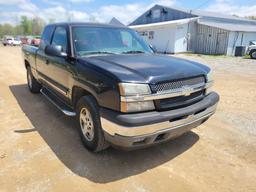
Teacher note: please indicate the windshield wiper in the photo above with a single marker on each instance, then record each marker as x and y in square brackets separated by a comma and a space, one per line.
[133, 51]
[97, 52]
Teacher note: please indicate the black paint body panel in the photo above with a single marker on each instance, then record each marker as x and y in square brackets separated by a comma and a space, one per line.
[100, 74]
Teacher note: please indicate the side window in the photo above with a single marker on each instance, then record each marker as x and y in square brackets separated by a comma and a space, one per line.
[60, 38]
[46, 37]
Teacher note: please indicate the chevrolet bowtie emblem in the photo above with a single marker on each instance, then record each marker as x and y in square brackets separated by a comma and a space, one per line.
[186, 90]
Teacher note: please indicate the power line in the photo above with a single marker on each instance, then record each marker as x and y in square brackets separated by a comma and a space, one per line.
[201, 5]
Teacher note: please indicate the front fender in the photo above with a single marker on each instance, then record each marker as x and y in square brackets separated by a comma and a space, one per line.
[103, 88]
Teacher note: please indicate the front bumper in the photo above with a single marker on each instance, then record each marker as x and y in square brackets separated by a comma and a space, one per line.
[141, 129]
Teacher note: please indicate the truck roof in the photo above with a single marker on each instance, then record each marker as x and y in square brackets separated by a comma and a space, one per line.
[87, 24]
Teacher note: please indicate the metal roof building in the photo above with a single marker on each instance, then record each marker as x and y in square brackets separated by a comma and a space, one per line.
[174, 30]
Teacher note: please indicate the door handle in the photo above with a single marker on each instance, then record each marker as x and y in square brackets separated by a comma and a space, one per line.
[47, 62]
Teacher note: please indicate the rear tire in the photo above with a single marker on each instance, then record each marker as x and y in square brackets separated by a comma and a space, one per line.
[253, 54]
[33, 84]
[88, 120]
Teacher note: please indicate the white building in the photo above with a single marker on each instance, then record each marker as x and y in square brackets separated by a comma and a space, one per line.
[172, 30]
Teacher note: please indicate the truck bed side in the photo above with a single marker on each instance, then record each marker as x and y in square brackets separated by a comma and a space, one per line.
[29, 54]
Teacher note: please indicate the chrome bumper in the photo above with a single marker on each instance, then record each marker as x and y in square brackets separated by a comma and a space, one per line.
[113, 129]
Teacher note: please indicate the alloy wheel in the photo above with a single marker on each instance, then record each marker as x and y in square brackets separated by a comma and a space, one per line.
[86, 124]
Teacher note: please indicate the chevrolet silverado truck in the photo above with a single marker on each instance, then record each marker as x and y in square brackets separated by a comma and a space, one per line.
[120, 91]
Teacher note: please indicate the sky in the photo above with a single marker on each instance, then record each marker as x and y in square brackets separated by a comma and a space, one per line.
[103, 10]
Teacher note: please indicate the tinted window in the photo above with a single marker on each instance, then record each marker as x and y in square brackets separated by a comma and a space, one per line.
[46, 36]
[60, 38]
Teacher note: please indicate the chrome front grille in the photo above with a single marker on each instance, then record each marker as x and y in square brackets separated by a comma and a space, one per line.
[179, 84]
[189, 91]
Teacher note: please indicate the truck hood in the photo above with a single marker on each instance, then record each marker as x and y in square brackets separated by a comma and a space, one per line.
[146, 68]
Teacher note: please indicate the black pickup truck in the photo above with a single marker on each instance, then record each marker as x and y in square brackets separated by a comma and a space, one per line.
[121, 92]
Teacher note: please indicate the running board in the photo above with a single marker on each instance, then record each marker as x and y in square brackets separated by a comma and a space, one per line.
[57, 102]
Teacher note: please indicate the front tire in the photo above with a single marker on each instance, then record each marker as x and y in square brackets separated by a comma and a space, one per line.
[253, 54]
[88, 120]
[33, 84]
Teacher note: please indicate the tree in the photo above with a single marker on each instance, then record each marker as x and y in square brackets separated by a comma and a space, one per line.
[1, 28]
[7, 29]
[37, 25]
[26, 25]
[251, 17]
[18, 30]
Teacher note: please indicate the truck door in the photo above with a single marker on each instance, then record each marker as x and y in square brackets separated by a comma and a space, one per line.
[57, 66]
[41, 57]
[53, 70]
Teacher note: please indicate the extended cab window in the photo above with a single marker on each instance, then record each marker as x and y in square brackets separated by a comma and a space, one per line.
[60, 38]
[46, 37]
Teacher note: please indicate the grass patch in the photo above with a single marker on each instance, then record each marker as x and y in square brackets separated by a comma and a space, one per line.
[204, 55]
[247, 57]
[214, 56]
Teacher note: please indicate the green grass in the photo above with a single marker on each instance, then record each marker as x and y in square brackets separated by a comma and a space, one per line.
[204, 55]
[247, 57]
[214, 56]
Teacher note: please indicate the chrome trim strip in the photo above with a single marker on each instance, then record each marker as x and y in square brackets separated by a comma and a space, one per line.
[168, 94]
[115, 129]
[54, 86]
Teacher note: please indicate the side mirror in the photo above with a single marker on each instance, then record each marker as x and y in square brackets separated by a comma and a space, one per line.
[55, 50]
[152, 48]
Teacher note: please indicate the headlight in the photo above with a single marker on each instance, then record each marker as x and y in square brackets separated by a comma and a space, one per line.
[128, 89]
[209, 79]
[131, 89]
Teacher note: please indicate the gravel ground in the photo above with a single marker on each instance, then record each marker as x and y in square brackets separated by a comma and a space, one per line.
[40, 149]
[236, 80]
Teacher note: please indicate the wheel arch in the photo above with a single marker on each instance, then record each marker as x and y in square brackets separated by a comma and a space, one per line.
[253, 50]
[26, 63]
[78, 92]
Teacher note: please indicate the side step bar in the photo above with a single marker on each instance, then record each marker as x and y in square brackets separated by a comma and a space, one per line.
[57, 102]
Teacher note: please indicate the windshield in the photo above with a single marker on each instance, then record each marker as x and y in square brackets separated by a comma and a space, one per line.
[99, 40]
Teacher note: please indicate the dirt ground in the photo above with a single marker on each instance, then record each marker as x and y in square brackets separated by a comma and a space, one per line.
[40, 149]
